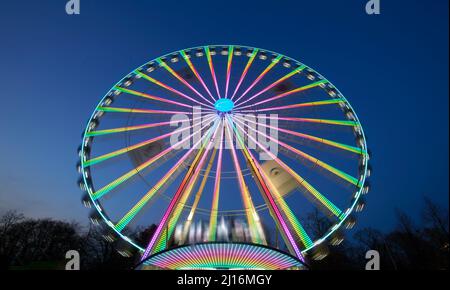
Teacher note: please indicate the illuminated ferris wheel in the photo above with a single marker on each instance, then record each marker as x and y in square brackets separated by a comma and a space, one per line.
[223, 153]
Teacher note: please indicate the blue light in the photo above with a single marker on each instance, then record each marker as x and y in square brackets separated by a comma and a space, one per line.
[224, 105]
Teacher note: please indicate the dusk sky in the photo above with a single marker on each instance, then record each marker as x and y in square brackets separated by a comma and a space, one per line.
[392, 67]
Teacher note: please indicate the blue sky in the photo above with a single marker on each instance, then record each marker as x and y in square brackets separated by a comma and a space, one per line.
[392, 67]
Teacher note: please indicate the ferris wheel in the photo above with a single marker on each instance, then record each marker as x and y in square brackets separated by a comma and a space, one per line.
[224, 154]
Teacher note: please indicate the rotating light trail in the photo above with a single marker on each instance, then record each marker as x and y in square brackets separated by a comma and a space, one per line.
[187, 191]
[300, 105]
[216, 192]
[198, 195]
[182, 80]
[256, 169]
[174, 201]
[211, 68]
[298, 228]
[311, 120]
[245, 71]
[194, 70]
[253, 219]
[312, 159]
[140, 111]
[230, 60]
[136, 127]
[264, 72]
[310, 137]
[149, 195]
[107, 188]
[295, 71]
[288, 93]
[138, 145]
[169, 88]
[150, 97]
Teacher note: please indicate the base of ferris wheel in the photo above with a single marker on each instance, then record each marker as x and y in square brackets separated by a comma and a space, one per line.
[222, 256]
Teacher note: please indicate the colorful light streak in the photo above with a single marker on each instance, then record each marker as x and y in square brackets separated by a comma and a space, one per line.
[321, 121]
[146, 198]
[313, 138]
[211, 68]
[256, 169]
[288, 93]
[216, 192]
[176, 75]
[230, 60]
[139, 145]
[107, 188]
[194, 70]
[150, 97]
[300, 105]
[295, 71]
[175, 200]
[264, 72]
[223, 256]
[300, 180]
[149, 78]
[253, 220]
[245, 71]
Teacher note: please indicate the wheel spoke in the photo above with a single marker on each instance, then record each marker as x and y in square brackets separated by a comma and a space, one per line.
[313, 138]
[152, 245]
[107, 188]
[301, 89]
[194, 70]
[148, 196]
[139, 145]
[293, 106]
[230, 60]
[264, 72]
[183, 81]
[211, 68]
[290, 242]
[295, 71]
[245, 71]
[300, 180]
[312, 159]
[253, 220]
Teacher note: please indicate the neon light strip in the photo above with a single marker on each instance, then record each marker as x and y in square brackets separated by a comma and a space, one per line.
[194, 70]
[173, 202]
[322, 121]
[309, 104]
[252, 215]
[160, 245]
[314, 160]
[197, 196]
[223, 255]
[215, 200]
[176, 75]
[139, 111]
[288, 93]
[169, 88]
[132, 128]
[313, 138]
[147, 96]
[146, 198]
[211, 68]
[298, 228]
[133, 172]
[274, 207]
[295, 71]
[230, 59]
[245, 71]
[265, 71]
[323, 200]
[130, 148]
